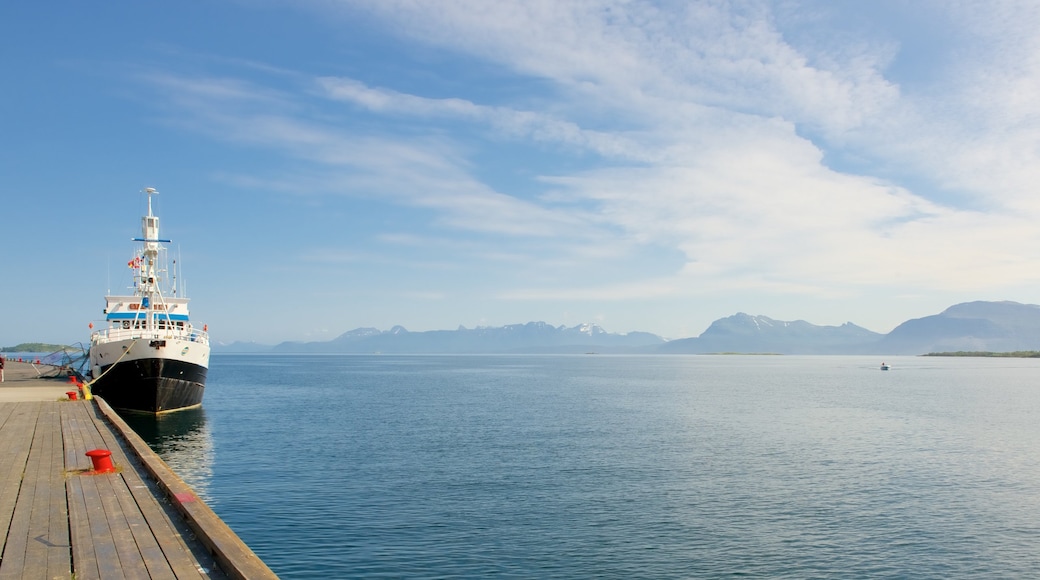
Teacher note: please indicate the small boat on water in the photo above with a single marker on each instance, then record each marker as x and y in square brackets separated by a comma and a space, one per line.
[884, 366]
[150, 358]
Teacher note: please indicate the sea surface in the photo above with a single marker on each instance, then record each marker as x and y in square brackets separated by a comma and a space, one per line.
[601, 466]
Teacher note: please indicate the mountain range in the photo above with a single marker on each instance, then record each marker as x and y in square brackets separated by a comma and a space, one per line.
[971, 326]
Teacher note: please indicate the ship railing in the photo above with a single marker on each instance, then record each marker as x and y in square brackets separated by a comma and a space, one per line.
[117, 333]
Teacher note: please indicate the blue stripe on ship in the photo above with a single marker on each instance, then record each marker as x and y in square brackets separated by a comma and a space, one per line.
[131, 316]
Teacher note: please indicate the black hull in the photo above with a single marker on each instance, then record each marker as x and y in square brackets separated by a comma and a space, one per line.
[153, 385]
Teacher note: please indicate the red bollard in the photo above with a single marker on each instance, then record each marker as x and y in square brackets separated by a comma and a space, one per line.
[102, 460]
[71, 394]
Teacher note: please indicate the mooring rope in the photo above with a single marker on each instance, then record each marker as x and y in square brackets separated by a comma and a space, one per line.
[88, 384]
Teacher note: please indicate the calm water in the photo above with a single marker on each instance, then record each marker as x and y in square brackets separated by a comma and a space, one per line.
[620, 466]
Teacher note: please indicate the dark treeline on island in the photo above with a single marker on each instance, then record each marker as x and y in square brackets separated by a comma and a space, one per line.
[972, 327]
[34, 347]
[986, 354]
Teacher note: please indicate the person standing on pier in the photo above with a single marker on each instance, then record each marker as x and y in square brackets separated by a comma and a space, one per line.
[1, 368]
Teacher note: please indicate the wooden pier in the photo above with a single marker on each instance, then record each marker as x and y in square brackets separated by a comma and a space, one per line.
[64, 521]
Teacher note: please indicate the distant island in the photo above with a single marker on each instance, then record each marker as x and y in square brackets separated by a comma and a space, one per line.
[34, 347]
[1015, 354]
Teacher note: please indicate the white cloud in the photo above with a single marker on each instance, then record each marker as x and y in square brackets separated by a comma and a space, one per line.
[425, 172]
[970, 127]
[712, 134]
[510, 122]
[624, 55]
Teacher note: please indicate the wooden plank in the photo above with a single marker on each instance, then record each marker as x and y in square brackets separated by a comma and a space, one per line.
[131, 564]
[17, 535]
[73, 423]
[5, 413]
[59, 562]
[55, 531]
[163, 522]
[36, 545]
[142, 532]
[153, 558]
[170, 533]
[99, 532]
[150, 561]
[120, 538]
[16, 435]
[14, 560]
[94, 551]
[104, 531]
[84, 558]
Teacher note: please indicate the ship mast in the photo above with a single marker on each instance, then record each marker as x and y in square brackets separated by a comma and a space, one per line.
[149, 284]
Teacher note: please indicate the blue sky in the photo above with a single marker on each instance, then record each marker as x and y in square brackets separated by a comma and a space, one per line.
[327, 165]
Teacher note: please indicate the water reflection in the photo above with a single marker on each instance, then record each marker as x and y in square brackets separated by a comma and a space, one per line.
[183, 441]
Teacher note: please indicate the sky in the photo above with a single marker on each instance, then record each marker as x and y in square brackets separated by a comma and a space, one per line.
[649, 166]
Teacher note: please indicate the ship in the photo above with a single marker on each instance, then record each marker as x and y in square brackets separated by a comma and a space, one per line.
[150, 357]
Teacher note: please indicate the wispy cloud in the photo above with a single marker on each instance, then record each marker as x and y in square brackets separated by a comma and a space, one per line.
[425, 172]
[702, 128]
[723, 100]
[509, 122]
